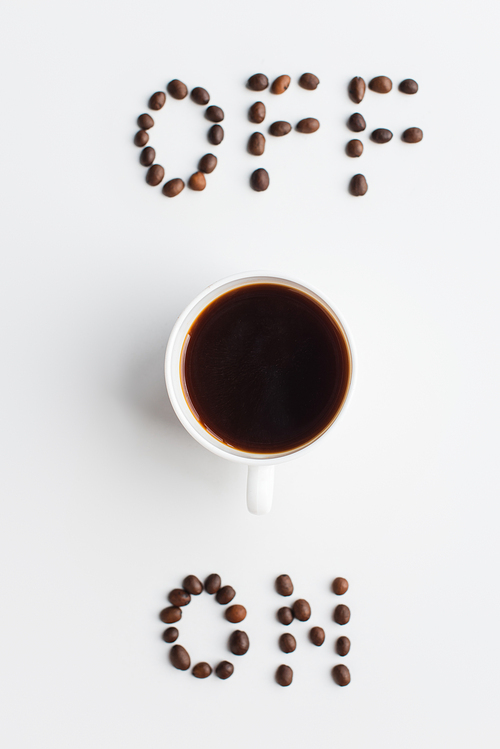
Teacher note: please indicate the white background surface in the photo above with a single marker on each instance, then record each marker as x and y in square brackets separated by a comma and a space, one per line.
[107, 503]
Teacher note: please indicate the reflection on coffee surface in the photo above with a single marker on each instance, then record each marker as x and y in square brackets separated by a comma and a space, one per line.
[266, 369]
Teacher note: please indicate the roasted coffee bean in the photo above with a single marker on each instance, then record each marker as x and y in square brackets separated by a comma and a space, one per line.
[179, 597]
[341, 675]
[200, 96]
[284, 585]
[171, 634]
[284, 676]
[280, 128]
[141, 138]
[145, 121]
[287, 643]
[179, 658]
[177, 89]
[212, 584]
[381, 135]
[258, 82]
[356, 122]
[259, 181]
[308, 125]
[301, 610]
[354, 149]
[215, 135]
[280, 85]
[358, 185]
[381, 84]
[340, 586]
[285, 615]
[147, 156]
[257, 112]
[155, 175]
[412, 135]
[309, 81]
[173, 187]
[317, 636]
[343, 645]
[356, 89]
[207, 163]
[342, 614]
[256, 144]
[197, 181]
[157, 100]
[214, 114]
[171, 614]
[201, 670]
[239, 642]
[236, 613]
[225, 594]
[408, 86]
[224, 670]
[192, 585]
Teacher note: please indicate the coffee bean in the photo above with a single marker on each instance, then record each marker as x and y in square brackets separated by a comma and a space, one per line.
[171, 614]
[155, 175]
[356, 89]
[207, 163]
[236, 613]
[258, 82]
[192, 585]
[147, 156]
[257, 112]
[214, 114]
[197, 181]
[177, 89]
[141, 138]
[280, 85]
[381, 135]
[173, 187]
[308, 125]
[301, 610]
[215, 135]
[179, 658]
[343, 645]
[212, 584]
[179, 597]
[285, 615]
[284, 585]
[341, 675]
[280, 128]
[381, 84]
[171, 634]
[412, 135]
[200, 96]
[309, 81]
[317, 636]
[287, 643]
[354, 149]
[341, 614]
[356, 122]
[256, 144]
[284, 676]
[225, 594]
[224, 670]
[259, 181]
[408, 86]
[201, 670]
[358, 185]
[239, 642]
[340, 586]
[157, 100]
[145, 121]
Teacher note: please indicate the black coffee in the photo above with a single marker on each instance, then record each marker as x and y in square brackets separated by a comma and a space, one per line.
[266, 368]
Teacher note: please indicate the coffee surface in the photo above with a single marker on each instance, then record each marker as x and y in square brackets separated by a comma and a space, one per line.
[265, 369]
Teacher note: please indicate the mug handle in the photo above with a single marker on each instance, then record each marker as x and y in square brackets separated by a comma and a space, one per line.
[260, 484]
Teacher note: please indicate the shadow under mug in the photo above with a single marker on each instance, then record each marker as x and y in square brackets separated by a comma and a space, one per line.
[260, 481]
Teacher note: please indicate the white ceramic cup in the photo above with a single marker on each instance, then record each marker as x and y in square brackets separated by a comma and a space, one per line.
[260, 466]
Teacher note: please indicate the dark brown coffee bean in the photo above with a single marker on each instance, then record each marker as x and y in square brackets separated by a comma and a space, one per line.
[224, 670]
[173, 187]
[284, 676]
[215, 135]
[354, 149]
[214, 114]
[155, 175]
[408, 86]
[280, 85]
[257, 112]
[285, 615]
[287, 643]
[308, 125]
[340, 586]
[280, 128]
[212, 584]
[256, 144]
[147, 156]
[317, 636]
[202, 670]
[301, 610]
[343, 645]
[141, 138]
[171, 614]
[192, 585]
[207, 163]
[171, 634]
[341, 675]
[358, 185]
[381, 135]
[177, 89]
[179, 658]
[179, 597]
[258, 82]
[284, 585]
[356, 89]
[342, 614]
[145, 121]
[200, 96]
[356, 122]
[197, 182]
[309, 81]
[225, 594]
[236, 613]
[259, 181]
[381, 84]
[157, 100]
[239, 642]
[412, 135]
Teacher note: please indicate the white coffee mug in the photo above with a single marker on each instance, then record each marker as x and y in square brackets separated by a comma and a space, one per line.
[260, 466]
